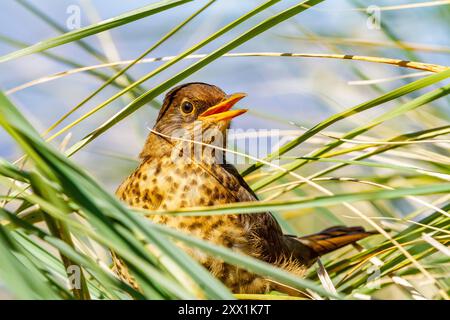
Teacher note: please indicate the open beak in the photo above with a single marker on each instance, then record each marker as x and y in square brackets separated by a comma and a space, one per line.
[221, 111]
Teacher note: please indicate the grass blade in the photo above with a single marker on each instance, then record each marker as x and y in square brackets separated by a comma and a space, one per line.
[95, 28]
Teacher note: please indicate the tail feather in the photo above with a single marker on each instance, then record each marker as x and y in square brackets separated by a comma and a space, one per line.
[334, 238]
[330, 239]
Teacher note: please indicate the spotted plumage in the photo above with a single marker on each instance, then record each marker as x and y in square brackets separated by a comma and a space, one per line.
[177, 174]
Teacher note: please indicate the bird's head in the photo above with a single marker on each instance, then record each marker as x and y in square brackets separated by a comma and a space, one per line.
[191, 102]
[197, 106]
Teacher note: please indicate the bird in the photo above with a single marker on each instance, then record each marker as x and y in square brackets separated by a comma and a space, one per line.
[176, 173]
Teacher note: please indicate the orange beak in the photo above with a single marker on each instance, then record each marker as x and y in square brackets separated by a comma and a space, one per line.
[221, 111]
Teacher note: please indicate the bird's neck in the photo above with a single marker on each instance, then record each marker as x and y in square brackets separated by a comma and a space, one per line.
[156, 146]
[207, 152]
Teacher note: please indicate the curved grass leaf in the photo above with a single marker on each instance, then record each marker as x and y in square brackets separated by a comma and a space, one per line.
[95, 28]
[311, 202]
[124, 70]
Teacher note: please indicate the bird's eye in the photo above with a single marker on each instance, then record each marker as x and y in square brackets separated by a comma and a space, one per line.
[187, 107]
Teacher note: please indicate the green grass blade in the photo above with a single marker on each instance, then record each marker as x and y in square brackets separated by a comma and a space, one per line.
[121, 72]
[95, 28]
[310, 202]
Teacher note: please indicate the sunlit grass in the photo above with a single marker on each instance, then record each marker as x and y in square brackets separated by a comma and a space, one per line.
[54, 217]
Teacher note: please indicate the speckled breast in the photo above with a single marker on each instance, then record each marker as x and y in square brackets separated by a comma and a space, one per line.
[168, 185]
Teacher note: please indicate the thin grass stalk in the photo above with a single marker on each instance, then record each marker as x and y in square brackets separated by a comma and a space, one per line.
[400, 63]
[129, 66]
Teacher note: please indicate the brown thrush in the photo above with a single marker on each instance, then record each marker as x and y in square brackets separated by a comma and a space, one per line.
[172, 176]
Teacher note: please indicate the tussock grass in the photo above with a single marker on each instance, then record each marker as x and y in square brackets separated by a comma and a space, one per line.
[56, 221]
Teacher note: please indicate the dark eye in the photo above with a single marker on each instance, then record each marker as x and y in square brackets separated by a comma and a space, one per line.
[187, 107]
